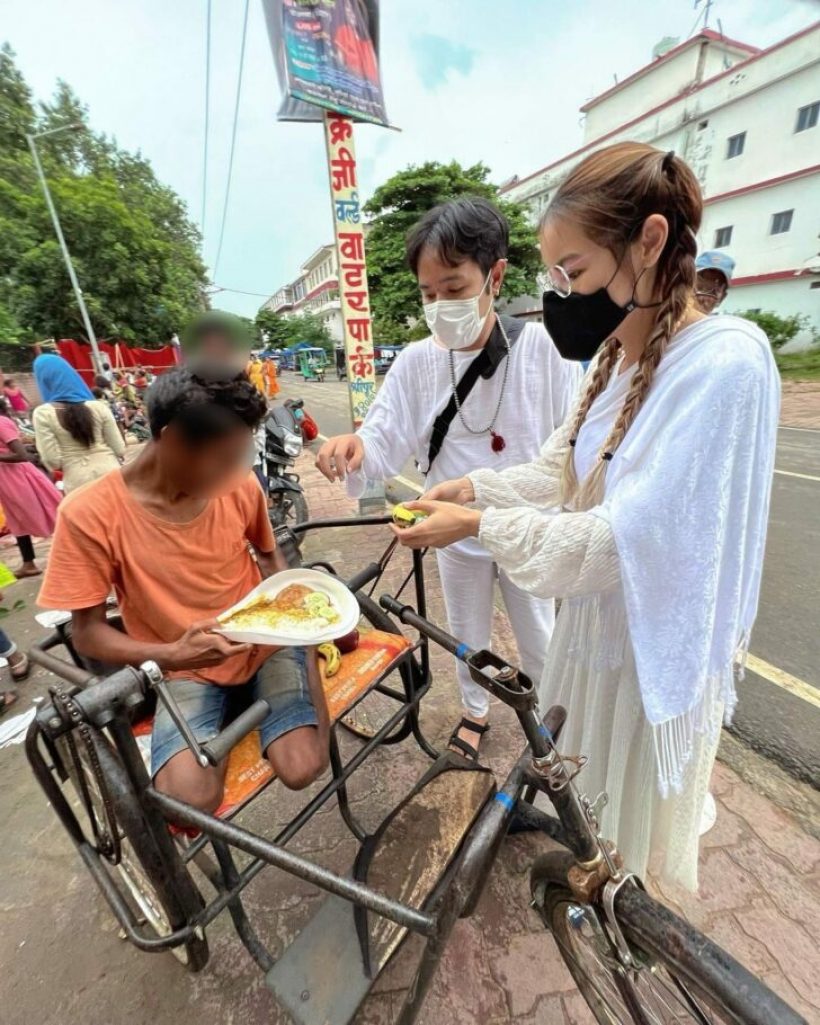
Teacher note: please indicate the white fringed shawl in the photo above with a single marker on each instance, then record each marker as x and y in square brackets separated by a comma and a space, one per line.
[687, 498]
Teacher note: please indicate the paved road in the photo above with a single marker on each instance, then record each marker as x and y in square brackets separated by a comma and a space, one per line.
[779, 708]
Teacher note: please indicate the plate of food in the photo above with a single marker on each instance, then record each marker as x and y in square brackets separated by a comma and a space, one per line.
[292, 608]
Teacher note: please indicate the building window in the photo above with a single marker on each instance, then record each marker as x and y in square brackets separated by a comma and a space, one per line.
[807, 117]
[735, 145]
[723, 237]
[782, 222]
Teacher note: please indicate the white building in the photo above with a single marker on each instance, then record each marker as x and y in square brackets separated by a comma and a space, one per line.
[748, 123]
[316, 290]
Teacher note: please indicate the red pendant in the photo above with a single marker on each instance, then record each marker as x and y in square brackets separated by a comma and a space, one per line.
[497, 444]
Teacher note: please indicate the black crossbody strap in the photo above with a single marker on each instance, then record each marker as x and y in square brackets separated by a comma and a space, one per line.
[480, 365]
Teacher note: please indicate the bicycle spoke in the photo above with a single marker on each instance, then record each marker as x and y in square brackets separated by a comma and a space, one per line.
[650, 994]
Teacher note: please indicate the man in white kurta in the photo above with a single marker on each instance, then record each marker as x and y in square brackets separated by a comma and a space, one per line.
[531, 389]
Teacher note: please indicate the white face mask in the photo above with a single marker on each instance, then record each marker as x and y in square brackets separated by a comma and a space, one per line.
[457, 323]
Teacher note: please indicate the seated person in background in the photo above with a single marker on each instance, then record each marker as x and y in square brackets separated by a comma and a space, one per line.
[181, 534]
[123, 389]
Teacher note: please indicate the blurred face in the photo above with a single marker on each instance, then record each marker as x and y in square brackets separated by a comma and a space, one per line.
[218, 349]
[710, 290]
[208, 469]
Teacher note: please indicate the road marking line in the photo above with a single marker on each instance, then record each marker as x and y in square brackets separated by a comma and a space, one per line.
[802, 476]
[409, 484]
[783, 679]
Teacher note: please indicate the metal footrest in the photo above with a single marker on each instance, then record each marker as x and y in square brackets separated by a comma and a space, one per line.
[320, 978]
[324, 975]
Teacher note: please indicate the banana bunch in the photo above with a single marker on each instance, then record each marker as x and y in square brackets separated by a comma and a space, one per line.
[333, 658]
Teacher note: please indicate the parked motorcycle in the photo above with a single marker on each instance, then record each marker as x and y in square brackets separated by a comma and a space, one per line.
[283, 445]
[303, 422]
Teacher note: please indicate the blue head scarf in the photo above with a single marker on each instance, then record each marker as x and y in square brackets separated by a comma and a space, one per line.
[58, 381]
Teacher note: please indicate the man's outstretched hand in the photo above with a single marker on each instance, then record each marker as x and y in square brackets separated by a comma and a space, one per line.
[340, 455]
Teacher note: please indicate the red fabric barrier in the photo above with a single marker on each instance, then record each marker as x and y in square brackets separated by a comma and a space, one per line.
[119, 355]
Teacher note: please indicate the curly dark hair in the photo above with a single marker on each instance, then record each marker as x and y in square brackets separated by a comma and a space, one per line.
[203, 408]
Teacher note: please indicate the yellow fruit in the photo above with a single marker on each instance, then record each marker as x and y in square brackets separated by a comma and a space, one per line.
[333, 658]
[404, 517]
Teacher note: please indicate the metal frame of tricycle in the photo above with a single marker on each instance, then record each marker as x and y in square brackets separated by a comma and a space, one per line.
[107, 706]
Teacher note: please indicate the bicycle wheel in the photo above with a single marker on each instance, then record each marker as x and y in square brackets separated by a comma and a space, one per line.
[368, 717]
[166, 904]
[704, 987]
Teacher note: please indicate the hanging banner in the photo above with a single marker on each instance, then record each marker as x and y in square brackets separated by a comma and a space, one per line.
[326, 54]
[353, 292]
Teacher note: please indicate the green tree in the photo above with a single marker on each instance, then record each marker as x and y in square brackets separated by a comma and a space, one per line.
[779, 330]
[272, 329]
[396, 206]
[135, 250]
[282, 332]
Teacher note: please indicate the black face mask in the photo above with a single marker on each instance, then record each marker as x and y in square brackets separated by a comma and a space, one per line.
[579, 323]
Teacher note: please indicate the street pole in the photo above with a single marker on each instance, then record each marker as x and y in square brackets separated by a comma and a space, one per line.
[75, 284]
[354, 296]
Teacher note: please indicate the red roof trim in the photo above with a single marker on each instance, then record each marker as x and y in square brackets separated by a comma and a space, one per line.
[326, 286]
[718, 37]
[791, 176]
[666, 103]
[705, 34]
[775, 275]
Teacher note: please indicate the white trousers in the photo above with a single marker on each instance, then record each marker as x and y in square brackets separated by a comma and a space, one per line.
[467, 582]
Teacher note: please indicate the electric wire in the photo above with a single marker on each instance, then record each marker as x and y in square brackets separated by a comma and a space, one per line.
[239, 291]
[207, 115]
[233, 138]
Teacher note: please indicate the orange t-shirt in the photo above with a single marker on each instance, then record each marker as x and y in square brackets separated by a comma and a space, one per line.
[166, 576]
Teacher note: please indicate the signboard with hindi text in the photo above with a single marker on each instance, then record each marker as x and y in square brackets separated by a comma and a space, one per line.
[353, 292]
[326, 54]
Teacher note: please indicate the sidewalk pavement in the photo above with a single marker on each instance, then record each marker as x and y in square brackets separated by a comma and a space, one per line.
[63, 962]
[800, 404]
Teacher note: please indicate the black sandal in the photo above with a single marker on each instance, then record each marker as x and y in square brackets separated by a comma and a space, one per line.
[469, 751]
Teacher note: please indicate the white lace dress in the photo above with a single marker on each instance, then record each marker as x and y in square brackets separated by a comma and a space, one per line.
[590, 667]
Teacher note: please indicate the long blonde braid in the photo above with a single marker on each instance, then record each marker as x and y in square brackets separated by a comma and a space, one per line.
[600, 379]
[608, 194]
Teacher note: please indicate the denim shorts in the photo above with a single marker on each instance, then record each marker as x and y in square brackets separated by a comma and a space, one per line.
[282, 679]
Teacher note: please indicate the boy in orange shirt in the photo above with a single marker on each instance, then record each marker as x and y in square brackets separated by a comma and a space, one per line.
[171, 532]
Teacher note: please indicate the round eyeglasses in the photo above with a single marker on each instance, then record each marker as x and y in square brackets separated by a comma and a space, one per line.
[555, 279]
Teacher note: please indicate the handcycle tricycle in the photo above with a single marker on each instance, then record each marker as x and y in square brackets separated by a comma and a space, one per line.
[422, 869]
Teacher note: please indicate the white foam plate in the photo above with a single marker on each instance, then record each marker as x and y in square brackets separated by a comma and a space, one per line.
[343, 601]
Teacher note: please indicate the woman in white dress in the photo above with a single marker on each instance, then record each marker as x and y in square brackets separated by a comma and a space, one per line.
[663, 476]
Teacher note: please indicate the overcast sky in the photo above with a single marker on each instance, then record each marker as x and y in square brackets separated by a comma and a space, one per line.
[493, 80]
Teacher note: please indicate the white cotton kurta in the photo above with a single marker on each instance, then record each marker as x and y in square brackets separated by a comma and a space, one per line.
[539, 390]
[591, 666]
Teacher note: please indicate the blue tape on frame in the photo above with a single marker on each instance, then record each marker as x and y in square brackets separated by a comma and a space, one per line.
[462, 651]
[505, 799]
[542, 729]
